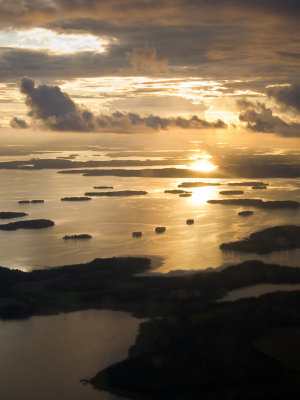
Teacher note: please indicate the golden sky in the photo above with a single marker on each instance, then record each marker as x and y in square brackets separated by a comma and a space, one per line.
[145, 66]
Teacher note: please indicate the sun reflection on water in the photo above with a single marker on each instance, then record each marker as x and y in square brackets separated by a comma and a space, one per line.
[201, 195]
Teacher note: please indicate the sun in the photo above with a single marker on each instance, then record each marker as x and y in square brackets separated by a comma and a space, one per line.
[203, 166]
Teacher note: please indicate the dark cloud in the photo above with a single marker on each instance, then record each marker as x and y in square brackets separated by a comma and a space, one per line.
[57, 111]
[18, 123]
[168, 12]
[259, 118]
[288, 96]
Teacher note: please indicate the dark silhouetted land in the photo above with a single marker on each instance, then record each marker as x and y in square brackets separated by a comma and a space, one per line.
[11, 214]
[231, 192]
[31, 201]
[29, 224]
[103, 187]
[196, 184]
[188, 194]
[253, 183]
[137, 234]
[81, 236]
[245, 213]
[285, 237]
[82, 198]
[176, 191]
[257, 203]
[195, 347]
[160, 229]
[120, 193]
[189, 221]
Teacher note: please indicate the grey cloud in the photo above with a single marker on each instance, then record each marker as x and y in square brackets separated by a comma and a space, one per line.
[27, 12]
[143, 59]
[288, 96]
[18, 123]
[259, 118]
[57, 111]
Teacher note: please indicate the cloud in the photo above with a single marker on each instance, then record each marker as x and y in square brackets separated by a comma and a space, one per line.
[18, 123]
[143, 59]
[288, 96]
[55, 110]
[259, 118]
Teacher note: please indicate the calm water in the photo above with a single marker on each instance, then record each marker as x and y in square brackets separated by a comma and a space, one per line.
[45, 357]
[111, 221]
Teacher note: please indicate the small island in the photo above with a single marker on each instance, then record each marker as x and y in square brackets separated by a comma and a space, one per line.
[11, 214]
[250, 183]
[189, 221]
[285, 237]
[120, 193]
[196, 184]
[82, 198]
[259, 187]
[81, 236]
[245, 213]
[29, 224]
[231, 192]
[188, 194]
[137, 234]
[160, 229]
[257, 203]
[103, 187]
[176, 191]
[31, 201]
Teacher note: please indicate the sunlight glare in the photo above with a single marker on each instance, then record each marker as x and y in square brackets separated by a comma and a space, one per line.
[203, 166]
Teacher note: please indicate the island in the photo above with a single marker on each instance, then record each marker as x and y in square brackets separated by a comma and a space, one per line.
[248, 183]
[82, 198]
[137, 234]
[188, 194]
[31, 201]
[257, 203]
[28, 224]
[191, 346]
[259, 187]
[11, 214]
[189, 221]
[103, 187]
[160, 229]
[284, 237]
[120, 193]
[245, 213]
[176, 191]
[81, 236]
[231, 192]
[196, 184]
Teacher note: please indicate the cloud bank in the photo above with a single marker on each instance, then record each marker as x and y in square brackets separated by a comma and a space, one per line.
[18, 123]
[55, 110]
[288, 96]
[259, 118]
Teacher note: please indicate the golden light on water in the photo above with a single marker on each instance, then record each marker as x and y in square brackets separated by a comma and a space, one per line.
[201, 195]
[203, 166]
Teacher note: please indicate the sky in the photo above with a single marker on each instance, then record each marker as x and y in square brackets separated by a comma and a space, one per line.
[132, 66]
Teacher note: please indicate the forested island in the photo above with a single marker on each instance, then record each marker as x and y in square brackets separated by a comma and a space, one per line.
[11, 214]
[27, 224]
[285, 237]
